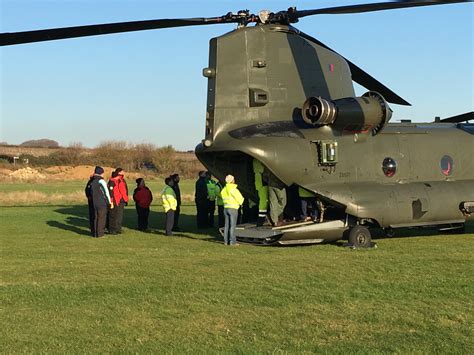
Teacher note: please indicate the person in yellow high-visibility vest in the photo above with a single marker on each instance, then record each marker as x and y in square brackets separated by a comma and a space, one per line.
[170, 203]
[233, 199]
[262, 191]
[212, 192]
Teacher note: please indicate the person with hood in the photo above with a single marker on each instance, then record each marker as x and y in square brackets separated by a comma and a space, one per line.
[119, 192]
[142, 197]
[168, 198]
[177, 191]
[101, 201]
[233, 199]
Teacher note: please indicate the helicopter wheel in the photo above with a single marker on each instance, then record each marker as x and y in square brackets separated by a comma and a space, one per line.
[359, 237]
[389, 232]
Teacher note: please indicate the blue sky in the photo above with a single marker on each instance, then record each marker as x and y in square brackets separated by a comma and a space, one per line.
[148, 87]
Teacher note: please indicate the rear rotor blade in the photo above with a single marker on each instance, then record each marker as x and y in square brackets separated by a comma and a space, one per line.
[7, 39]
[353, 9]
[363, 78]
[468, 116]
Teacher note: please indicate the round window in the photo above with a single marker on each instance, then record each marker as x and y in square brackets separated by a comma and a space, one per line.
[389, 167]
[446, 165]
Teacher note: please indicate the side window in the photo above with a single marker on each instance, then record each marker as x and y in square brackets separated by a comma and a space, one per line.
[389, 167]
[446, 164]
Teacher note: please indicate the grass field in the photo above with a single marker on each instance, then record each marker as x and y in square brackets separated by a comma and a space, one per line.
[62, 291]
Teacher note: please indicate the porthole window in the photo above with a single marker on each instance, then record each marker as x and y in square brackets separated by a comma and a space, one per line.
[446, 165]
[389, 167]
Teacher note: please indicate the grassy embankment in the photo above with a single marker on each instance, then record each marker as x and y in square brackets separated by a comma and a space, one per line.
[62, 291]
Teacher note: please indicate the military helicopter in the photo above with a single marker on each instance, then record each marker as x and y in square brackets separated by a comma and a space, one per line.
[285, 99]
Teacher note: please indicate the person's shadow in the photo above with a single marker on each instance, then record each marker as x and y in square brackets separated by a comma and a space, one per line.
[77, 221]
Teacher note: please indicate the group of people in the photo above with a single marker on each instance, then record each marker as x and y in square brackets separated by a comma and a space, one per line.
[107, 201]
[225, 195]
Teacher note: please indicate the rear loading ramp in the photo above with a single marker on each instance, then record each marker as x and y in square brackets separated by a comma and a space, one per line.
[294, 233]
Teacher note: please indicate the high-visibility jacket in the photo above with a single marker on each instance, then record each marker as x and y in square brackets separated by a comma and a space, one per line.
[212, 190]
[258, 170]
[219, 200]
[304, 193]
[169, 199]
[231, 196]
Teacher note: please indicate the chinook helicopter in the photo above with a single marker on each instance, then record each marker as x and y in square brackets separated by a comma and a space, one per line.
[285, 99]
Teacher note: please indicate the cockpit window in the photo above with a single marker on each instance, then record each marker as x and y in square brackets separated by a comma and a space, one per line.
[389, 167]
[446, 165]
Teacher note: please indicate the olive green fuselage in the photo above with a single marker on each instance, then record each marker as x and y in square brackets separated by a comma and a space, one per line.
[259, 78]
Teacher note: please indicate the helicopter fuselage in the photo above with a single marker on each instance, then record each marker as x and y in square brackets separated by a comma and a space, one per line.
[400, 175]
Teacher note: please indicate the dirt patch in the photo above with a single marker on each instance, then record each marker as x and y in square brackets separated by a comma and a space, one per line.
[27, 174]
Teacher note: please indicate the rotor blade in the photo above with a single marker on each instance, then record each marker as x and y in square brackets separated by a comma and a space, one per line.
[365, 79]
[7, 39]
[352, 9]
[458, 118]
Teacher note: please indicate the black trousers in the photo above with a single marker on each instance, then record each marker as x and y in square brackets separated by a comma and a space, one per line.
[100, 217]
[211, 208]
[176, 217]
[91, 217]
[116, 218]
[169, 222]
[143, 214]
[201, 213]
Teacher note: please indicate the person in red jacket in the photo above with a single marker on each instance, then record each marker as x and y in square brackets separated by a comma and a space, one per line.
[142, 197]
[119, 194]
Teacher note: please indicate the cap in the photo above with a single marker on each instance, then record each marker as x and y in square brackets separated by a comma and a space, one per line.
[138, 181]
[98, 170]
[229, 179]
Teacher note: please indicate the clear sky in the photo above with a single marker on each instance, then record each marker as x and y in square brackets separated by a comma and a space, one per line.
[148, 86]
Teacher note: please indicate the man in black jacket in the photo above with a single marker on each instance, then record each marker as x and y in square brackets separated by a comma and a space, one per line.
[200, 198]
[101, 201]
[90, 203]
[177, 191]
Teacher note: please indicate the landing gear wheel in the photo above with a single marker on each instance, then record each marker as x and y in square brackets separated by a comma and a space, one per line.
[359, 237]
[389, 232]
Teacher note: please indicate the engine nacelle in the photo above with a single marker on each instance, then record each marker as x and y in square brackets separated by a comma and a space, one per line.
[353, 114]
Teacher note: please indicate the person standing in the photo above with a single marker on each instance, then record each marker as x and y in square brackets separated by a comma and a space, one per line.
[177, 191]
[168, 198]
[308, 199]
[90, 203]
[262, 191]
[101, 201]
[233, 199]
[142, 197]
[277, 199]
[212, 192]
[200, 198]
[119, 191]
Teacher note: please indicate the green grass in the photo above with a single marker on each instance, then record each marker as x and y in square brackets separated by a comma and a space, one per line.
[62, 291]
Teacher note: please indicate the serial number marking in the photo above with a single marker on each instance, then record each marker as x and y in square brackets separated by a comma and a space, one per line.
[344, 174]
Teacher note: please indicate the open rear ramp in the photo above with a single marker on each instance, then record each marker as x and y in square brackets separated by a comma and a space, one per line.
[290, 234]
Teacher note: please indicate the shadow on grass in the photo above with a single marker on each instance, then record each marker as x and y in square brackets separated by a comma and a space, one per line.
[77, 221]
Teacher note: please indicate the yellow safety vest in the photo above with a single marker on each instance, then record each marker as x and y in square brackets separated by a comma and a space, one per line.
[212, 190]
[219, 200]
[258, 170]
[232, 197]
[169, 199]
[305, 193]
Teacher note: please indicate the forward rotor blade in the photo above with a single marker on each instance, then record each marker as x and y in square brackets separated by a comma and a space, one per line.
[468, 116]
[7, 39]
[353, 9]
[363, 78]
